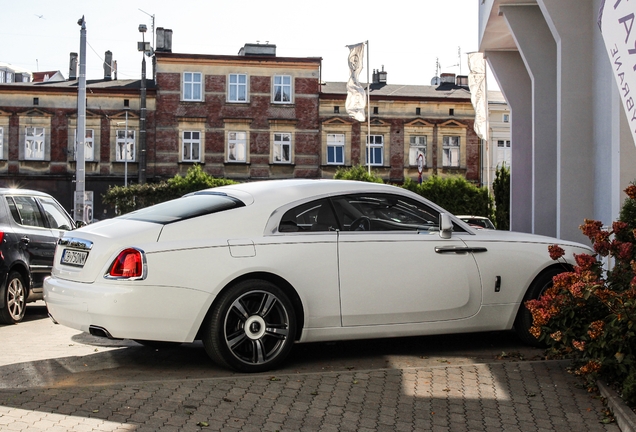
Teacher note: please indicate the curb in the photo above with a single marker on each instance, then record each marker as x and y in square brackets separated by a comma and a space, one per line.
[625, 417]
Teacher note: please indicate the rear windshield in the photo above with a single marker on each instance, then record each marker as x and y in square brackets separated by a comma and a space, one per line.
[189, 206]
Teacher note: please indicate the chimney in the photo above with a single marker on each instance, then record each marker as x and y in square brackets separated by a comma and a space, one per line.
[115, 70]
[164, 40]
[250, 49]
[462, 80]
[108, 60]
[447, 78]
[72, 68]
[379, 77]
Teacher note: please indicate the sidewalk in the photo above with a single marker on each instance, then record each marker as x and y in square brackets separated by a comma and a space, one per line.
[516, 396]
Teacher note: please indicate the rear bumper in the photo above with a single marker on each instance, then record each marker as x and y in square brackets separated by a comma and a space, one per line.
[127, 310]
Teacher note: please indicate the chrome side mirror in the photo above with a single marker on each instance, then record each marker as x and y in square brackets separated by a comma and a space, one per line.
[445, 226]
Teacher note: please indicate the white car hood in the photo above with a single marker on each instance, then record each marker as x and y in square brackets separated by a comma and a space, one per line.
[108, 239]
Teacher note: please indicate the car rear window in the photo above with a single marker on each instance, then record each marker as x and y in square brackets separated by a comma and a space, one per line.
[187, 207]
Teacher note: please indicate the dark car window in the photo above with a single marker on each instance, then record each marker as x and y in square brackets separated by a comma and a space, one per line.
[386, 212]
[26, 211]
[312, 216]
[56, 216]
[186, 207]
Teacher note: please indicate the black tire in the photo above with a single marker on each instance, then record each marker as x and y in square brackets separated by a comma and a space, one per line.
[15, 295]
[252, 327]
[523, 321]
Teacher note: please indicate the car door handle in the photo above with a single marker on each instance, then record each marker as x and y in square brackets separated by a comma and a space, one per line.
[25, 240]
[459, 249]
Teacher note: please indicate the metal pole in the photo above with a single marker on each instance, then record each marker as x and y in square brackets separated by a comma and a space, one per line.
[142, 121]
[126, 153]
[80, 165]
[368, 114]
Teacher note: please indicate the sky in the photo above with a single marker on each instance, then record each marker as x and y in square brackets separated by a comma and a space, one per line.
[405, 37]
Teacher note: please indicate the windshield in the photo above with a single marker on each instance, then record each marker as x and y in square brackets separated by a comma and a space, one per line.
[187, 207]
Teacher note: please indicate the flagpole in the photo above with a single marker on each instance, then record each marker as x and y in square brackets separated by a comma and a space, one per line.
[368, 114]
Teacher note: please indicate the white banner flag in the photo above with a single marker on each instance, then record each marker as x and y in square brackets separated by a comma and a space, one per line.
[356, 97]
[616, 20]
[478, 92]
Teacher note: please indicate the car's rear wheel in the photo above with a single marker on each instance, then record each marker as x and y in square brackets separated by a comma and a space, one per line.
[523, 321]
[14, 299]
[251, 328]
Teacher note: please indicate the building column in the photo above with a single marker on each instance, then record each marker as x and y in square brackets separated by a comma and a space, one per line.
[572, 23]
[537, 49]
[514, 81]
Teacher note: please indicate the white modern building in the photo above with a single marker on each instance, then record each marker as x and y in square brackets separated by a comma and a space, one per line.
[499, 149]
[573, 150]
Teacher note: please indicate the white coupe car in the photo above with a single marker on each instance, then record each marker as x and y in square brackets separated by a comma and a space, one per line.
[251, 269]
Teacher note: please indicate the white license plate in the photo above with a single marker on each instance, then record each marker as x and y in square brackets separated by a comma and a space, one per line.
[75, 258]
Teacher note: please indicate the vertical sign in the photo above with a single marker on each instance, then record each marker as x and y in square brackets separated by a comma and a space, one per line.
[616, 20]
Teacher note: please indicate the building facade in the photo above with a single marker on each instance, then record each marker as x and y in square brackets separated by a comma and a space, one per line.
[432, 123]
[38, 123]
[251, 116]
[246, 117]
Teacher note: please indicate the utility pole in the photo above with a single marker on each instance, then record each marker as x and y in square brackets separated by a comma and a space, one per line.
[80, 164]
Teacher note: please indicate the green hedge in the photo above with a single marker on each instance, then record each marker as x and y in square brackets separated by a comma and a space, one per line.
[136, 196]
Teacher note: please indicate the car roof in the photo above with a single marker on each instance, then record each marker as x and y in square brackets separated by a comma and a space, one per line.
[16, 191]
[280, 192]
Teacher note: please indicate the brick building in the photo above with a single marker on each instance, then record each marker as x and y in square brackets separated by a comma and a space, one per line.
[434, 121]
[250, 116]
[38, 122]
[246, 117]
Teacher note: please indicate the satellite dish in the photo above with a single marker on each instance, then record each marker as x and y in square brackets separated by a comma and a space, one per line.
[435, 80]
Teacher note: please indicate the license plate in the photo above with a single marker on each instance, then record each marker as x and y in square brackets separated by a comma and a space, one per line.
[74, 258]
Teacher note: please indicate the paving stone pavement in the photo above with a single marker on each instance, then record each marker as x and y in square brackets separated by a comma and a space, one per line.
[516, 396]
[57, 379]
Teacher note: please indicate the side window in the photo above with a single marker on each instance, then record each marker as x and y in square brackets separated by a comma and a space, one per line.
[192, 85]
[56, 216]
[282, 89]
[28, 211]
[237, 88]
[385, 212]
[313, 216]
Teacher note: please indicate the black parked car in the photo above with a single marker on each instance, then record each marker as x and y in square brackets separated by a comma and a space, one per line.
[31, 222]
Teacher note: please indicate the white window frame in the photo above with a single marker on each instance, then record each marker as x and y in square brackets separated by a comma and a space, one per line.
[34, 143]
[192, 86]
[504, 152]
[375, 143]
[9, 77]
[282, 142]
[191, 146]
[335, 142]
[282, 89]
[506, 118]
[3, 74]
[451, 151]
[417, 147]
[89, 145]
[1, 142]
[237, 146]
[234, 85]
[129, 142]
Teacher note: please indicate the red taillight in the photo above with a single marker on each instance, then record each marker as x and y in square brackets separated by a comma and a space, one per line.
[128, 264]
[1, 236]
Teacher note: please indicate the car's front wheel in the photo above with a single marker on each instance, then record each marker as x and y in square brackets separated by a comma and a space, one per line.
[251, 328]
[523, 321]
[14, 299]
